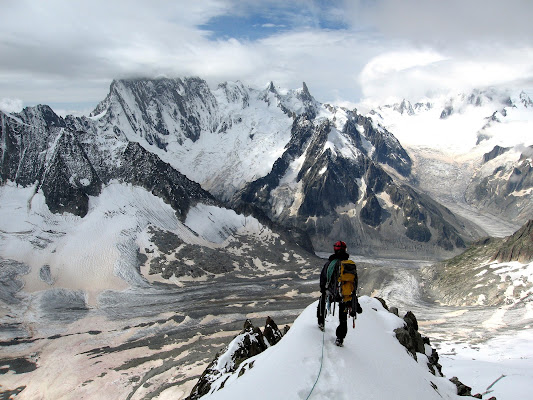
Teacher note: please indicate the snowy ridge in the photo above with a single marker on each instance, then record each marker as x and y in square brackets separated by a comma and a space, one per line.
[371, 365]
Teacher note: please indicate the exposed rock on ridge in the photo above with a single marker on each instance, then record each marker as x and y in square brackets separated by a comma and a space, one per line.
[233, 358]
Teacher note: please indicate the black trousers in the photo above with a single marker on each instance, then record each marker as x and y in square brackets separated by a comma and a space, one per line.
[342, 329]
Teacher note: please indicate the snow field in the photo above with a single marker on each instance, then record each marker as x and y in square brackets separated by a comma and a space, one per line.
[216, 224]
[481, 365]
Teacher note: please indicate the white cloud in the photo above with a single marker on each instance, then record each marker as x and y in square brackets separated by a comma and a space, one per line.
[446, 24]
[415, 74]
[61, 51]
[11, 105]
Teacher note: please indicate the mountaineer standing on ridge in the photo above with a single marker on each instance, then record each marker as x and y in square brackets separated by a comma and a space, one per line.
[338, 283]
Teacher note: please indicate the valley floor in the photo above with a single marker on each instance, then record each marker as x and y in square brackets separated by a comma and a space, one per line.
[154, 343]
[136, 343]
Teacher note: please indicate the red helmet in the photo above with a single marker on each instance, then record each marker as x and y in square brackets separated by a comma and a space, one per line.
[339, 246]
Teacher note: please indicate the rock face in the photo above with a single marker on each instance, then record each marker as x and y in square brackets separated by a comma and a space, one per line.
[414, 342]
[69, 165]
[518, 247]
[418, 345]
[495, 152]
[161, 109]
[232, 360]
[69, 178]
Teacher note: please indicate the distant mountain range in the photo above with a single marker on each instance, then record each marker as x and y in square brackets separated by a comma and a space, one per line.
[325, 171]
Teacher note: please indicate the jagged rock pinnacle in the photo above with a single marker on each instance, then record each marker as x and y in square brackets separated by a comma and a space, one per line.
[305, 89]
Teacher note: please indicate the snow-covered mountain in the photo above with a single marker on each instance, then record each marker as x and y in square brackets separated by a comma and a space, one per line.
[471, 152]
[310, 167]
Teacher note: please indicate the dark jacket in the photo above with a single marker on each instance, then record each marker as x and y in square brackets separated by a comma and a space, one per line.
[324, 273]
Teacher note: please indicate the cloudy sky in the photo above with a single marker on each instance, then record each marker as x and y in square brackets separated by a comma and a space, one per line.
[66, 52]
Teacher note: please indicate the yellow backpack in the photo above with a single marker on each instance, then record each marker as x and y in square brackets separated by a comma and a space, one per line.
[347, 280]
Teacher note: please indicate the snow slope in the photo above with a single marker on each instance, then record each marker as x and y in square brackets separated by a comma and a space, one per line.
[371, 365]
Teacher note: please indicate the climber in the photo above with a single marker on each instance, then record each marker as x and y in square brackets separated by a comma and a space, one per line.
[338, 283]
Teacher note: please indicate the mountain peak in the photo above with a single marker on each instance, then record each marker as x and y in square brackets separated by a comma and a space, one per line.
[305, 90]
[525, 99]
[404, 107]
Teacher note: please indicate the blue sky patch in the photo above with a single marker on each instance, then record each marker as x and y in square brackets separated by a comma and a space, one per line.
[263, 23]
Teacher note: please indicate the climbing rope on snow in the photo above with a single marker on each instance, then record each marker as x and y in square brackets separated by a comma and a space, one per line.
[321, 361]
[492, 384]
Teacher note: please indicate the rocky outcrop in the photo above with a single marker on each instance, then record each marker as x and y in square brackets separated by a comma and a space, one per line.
[414, 342]
[27, 139]
[495, 152]
[417, 345]
[69, 177]
[517, 247]
[232, 360]
[462, 389]
[271, 333]
[388, 149]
